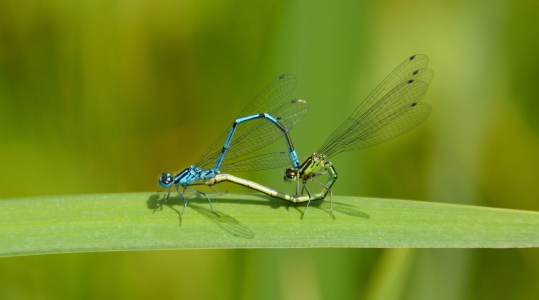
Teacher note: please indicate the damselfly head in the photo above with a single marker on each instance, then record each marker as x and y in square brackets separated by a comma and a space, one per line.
[290, 174]
[165, 180]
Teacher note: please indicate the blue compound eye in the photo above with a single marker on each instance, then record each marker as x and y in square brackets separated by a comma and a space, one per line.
[165, 180]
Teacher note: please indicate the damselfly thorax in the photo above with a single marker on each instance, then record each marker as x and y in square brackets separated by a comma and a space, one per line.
[311, 167]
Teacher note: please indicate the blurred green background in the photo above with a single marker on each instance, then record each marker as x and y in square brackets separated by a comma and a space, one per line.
[103, 96]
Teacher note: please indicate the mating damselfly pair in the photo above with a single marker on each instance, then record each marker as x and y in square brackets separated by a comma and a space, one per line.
[389, 111]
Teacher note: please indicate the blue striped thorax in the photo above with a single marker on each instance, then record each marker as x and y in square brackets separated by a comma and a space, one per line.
[186, 177]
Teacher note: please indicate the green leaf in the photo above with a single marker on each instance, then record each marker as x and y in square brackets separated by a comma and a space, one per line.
[118, 222]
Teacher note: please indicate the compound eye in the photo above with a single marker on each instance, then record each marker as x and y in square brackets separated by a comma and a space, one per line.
[290, 173]
[165, 179]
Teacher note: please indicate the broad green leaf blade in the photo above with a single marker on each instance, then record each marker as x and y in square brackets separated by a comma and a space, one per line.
[117, 222]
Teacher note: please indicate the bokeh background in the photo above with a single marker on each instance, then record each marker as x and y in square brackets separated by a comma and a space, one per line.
[102, 96]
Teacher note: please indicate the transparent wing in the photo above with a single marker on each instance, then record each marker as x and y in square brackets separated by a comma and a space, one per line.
[256, 134]
[266, 161]
[389, 111]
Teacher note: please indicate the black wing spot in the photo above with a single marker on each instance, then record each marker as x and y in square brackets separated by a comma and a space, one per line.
[412, 57]
[410, 81]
